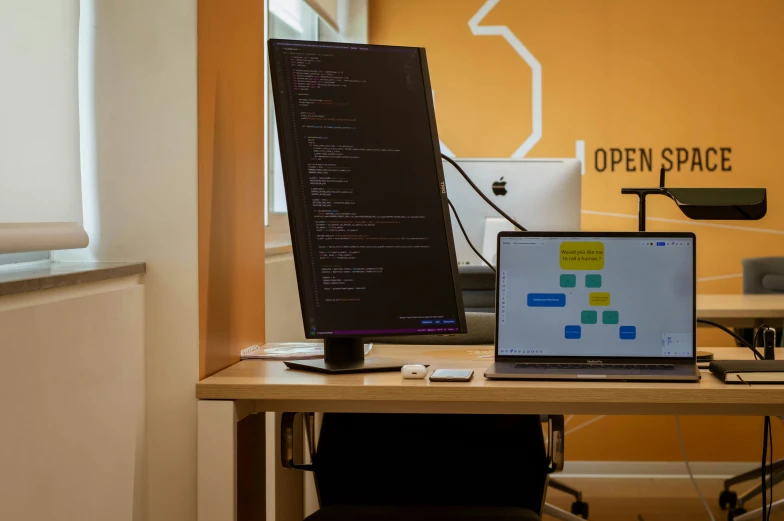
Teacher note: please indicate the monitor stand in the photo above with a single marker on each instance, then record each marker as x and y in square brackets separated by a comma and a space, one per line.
[346, 355]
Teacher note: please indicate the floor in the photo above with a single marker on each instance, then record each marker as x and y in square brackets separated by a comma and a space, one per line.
[644, 499]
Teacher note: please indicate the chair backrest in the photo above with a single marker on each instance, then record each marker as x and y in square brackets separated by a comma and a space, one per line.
[434, 459]
[481, 331]
[763, 275]
[478, 288]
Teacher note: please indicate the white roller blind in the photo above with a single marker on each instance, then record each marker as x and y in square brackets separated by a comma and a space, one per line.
[39, 113]
[288, 11]
[327, 11]
[342, 20]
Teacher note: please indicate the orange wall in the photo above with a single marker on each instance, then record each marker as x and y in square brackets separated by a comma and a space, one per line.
[231, 180]
[618, 74]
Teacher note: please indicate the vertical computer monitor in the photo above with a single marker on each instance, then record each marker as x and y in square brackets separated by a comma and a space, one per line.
[366, 197]
[540, 194]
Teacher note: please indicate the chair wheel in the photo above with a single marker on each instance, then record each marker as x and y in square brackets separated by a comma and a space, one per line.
[735, 512]
[580, 508]
[728, 499]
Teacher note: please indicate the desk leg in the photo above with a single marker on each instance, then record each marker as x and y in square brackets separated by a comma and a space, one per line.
[285, 487]
[223, 429]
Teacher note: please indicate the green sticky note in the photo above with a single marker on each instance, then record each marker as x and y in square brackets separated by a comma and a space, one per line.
[609, 317]
[589, 317]
[568, 280]
[593, 281]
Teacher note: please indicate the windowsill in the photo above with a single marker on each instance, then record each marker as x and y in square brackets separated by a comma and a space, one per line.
[24, 279]
[277, 238]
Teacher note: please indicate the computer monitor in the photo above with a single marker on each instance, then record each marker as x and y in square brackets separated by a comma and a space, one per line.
[540, 194]
[368, 213]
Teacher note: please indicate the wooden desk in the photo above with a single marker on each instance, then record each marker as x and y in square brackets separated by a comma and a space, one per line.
[254, 386]
[742, 310]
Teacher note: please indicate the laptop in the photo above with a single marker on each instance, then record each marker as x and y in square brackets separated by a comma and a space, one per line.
[595, 306]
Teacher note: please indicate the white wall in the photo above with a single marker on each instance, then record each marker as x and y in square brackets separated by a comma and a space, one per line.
[72, 400]
[39, 123]
[283, 312]
[143, 179]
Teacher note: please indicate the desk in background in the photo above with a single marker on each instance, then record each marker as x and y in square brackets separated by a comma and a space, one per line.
[254, 386]
[740, 310]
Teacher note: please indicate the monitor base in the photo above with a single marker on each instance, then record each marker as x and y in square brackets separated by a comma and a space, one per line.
[370, 364]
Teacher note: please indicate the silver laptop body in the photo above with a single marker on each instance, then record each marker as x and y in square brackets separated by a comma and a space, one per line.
[595, 306]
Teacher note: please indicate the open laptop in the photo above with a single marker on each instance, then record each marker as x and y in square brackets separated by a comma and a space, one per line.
[595, 306]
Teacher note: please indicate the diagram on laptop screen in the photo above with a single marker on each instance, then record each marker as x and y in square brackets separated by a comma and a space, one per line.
[620, 296]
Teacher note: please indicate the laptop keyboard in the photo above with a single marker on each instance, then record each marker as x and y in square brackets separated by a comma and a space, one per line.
[642, 367]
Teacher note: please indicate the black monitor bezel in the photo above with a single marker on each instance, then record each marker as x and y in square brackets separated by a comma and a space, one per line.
[297, 248]
[600, 235]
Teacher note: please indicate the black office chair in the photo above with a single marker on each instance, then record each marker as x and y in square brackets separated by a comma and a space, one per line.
[477, 285]
[762, 275]
[416, 467]
[481, 331]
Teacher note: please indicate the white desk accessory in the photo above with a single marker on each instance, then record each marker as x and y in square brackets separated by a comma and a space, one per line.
[414, 372]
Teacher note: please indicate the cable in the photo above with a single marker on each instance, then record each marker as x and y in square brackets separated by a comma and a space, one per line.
[757, 332]
[481, 194]
[765, 427]
[688, 468]
[767, 431]
[770, 436]
[743, 342]
[457, 218]
[584, 424]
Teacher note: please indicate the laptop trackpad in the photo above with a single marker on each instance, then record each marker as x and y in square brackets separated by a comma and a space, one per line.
[596, 371]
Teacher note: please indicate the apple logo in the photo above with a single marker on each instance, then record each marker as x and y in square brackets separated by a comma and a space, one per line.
[499, 187]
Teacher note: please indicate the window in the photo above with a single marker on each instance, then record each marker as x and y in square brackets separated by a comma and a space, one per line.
[324, 20]
[289, 20]
[40, 176]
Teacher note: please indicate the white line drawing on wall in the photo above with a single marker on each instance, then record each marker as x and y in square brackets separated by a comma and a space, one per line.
[536, 82]
[533, 63]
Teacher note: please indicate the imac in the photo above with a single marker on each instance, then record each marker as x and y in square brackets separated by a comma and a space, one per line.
[368, 213]
[540, 194]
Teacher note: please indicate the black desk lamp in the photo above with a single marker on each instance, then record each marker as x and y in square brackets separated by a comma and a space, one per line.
[721, 204]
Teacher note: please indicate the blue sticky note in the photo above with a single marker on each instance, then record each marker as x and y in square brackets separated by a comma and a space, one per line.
[628, 332]
[572, 332]
[546, 300]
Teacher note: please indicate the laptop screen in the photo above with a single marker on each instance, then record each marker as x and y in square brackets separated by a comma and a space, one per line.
[608, 296]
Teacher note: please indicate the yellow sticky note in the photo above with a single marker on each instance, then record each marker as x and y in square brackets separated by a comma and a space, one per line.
[582, 256]
[599, 298]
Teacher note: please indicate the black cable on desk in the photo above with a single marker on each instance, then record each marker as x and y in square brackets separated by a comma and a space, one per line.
[740, 340]
[457, 218]
[481, 194]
